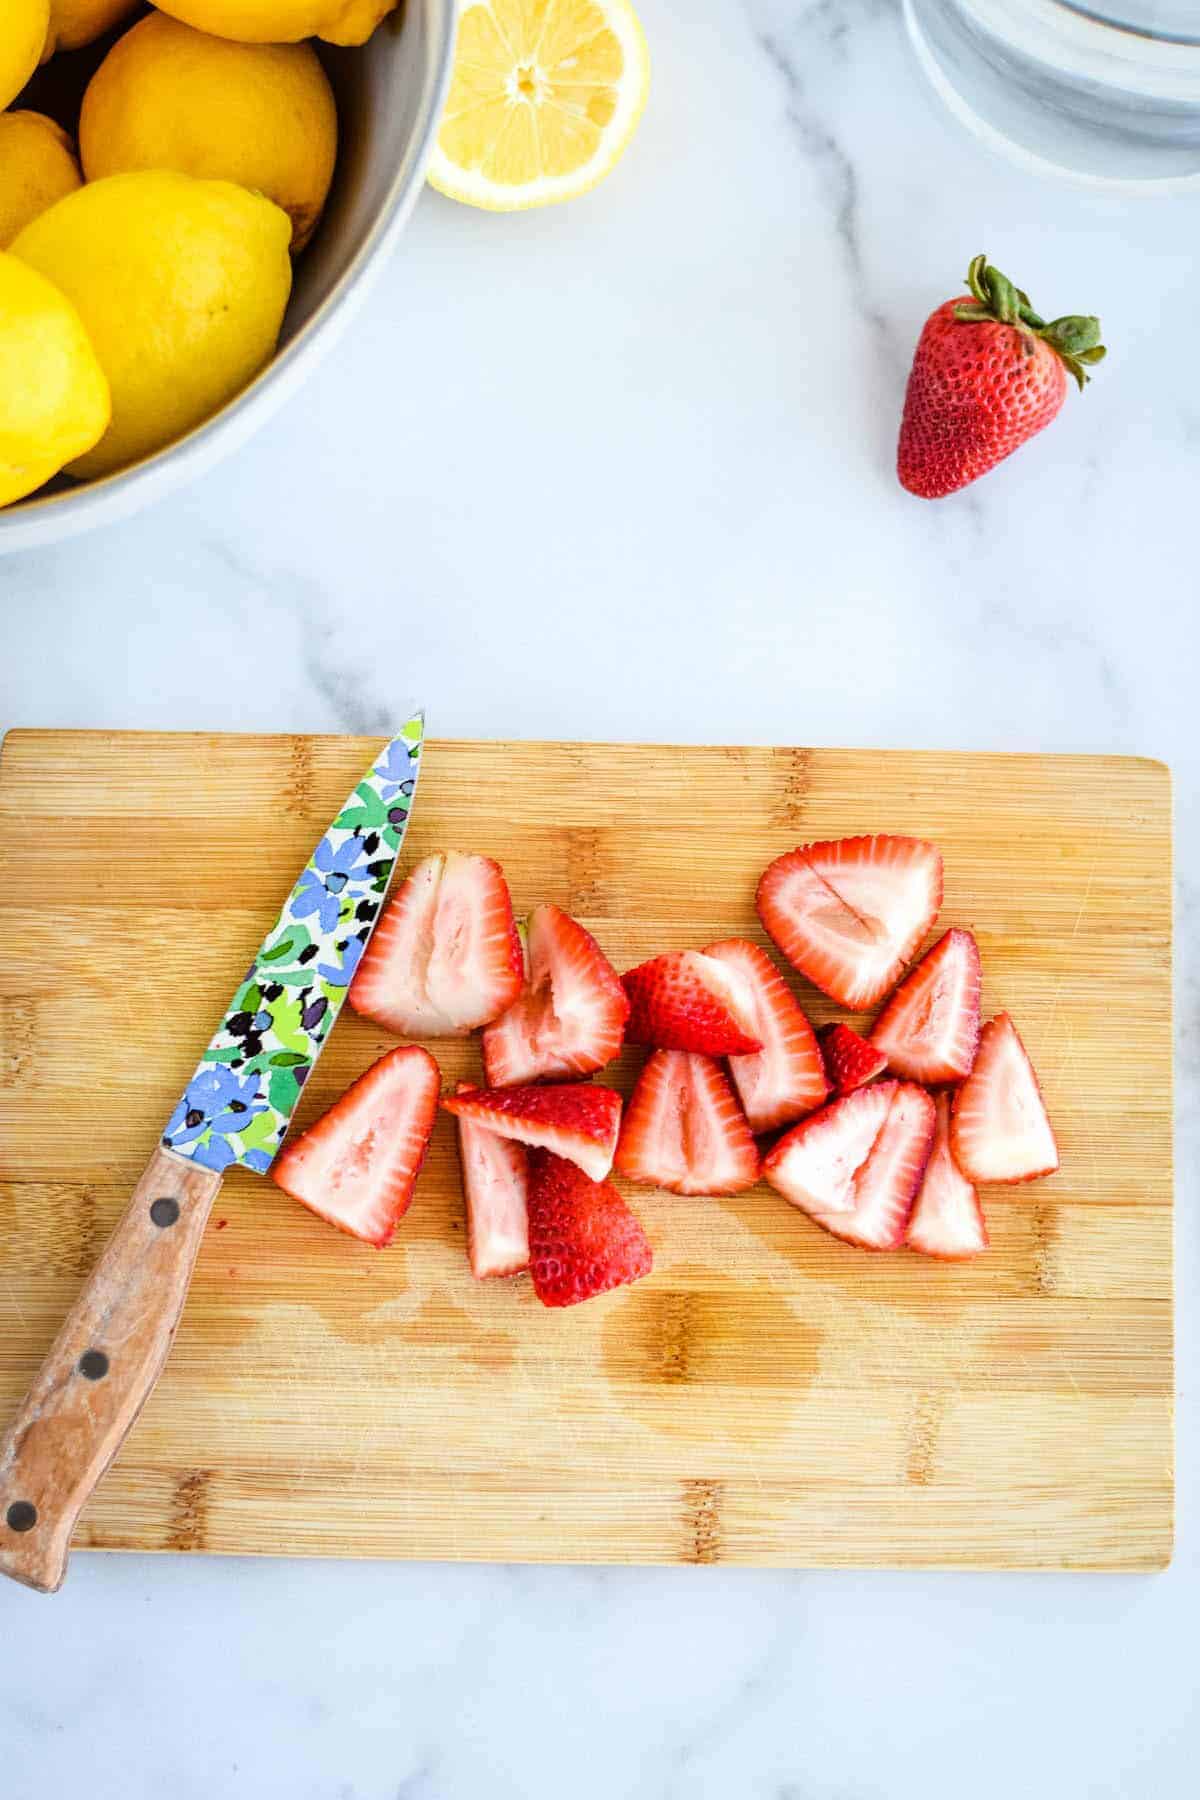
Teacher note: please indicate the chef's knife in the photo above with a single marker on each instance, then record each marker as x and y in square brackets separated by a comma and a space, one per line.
[235, 1109]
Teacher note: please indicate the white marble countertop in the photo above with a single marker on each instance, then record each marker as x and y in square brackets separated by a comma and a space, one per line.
[624, 470]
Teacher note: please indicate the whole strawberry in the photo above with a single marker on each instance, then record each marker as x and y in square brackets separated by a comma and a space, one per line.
[987, 374]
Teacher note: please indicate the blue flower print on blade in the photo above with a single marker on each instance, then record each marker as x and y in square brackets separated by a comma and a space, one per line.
[351, 957]
[322, 885]
[394, 771]
[215, 1098]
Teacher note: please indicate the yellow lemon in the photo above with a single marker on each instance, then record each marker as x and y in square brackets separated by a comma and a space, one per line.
[54, 401]
[181, 285]
[544, 98]
[282, 21]
[263, 115]
[37, 167]
[74, 23]
[23, 26]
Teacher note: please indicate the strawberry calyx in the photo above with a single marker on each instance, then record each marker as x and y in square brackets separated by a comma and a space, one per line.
[1075, 338]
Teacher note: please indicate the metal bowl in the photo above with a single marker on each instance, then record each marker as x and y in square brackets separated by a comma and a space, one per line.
[390, 95]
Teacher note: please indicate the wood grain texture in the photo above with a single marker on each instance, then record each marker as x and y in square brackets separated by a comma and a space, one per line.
[100, 1369]
[769, 1395]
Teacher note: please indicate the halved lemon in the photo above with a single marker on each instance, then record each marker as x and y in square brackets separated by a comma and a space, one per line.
[544, 97]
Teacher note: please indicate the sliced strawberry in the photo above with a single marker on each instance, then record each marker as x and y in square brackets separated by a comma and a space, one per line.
[786, 1078]
[890, 1179]
[849, 914]
[999, 1130]
[583, 1238]
[947, 1219]
[496, 1184]
[358, 1163]
[850, 1062]
[815, 1165]
[445, 955]
[929, 1029]
[578, 1121]
[570, 1020]
[684, 1130]
[688, 1001]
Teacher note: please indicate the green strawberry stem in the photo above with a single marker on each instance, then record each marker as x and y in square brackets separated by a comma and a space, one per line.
[1075, 339]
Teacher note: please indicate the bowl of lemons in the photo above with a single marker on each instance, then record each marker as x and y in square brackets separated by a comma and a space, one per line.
[192, 197]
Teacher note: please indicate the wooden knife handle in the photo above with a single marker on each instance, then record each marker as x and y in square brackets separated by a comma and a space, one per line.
[101, 1369]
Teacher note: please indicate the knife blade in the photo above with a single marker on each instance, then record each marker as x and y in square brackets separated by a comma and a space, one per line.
[235, 1110]
[238, 1105]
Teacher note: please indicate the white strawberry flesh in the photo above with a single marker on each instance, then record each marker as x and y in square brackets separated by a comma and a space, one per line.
[570, 1018]
[929, 1029]
[444, 957]
[683, 1129]
[999, 1129]
[357, 1165]
[888, 1182]
[496, 1185]
[849, 913]
[786, 1078]
[947, 1220]
[816, 1164]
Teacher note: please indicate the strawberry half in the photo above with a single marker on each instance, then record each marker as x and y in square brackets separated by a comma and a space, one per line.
[786, 1078]
[849, 914]
[688, 1001]
[578, 1121]
[570, 1020]
[357, 1165]
[814, 1166]
[583, 1238]
[683, 1129]
[999, 1130]
[445, 955]
[873, 1187]
[947, 1219]
[495, 1176]
[850, 1062]
[929, 1029]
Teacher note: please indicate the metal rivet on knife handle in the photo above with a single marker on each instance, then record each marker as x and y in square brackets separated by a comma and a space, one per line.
[93, 1365]
[165, 1212]
[21, 1516]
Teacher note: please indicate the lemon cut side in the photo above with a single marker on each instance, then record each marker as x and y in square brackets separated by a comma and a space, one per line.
[544, 97]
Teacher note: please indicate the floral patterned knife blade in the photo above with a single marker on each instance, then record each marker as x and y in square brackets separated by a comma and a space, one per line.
[239, 1103]
[235, 1109]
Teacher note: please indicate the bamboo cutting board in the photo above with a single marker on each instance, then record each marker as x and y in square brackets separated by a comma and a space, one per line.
[768, 1395]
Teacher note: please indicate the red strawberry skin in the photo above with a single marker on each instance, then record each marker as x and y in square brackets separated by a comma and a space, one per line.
[583, 1239]
[850, 1062]
[688, 1001]
[357, 1165]
[929, 1029]
[977, 391]
[579, 1121]
[683, 1129]
[570, 1018]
